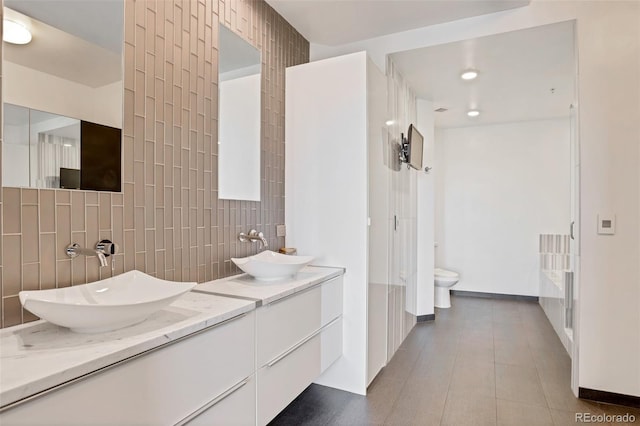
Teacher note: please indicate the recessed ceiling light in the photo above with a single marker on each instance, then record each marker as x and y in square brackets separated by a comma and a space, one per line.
[15, 33]
[473, 113]
[389, 122]
[469, 74]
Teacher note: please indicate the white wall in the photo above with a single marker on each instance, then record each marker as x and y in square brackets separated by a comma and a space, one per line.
[45, 92]
[498, 187]
[326, 197]
[609, 84]
[426, 212]
[608, 37]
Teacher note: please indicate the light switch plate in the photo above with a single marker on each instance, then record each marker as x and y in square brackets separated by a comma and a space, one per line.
[606, 224]
[281, 231]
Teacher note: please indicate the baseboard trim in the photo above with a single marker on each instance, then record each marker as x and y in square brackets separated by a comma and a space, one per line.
[518, 297]
[609, 397]
[425, 318]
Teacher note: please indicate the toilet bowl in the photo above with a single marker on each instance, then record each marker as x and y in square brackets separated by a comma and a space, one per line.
[444, 280]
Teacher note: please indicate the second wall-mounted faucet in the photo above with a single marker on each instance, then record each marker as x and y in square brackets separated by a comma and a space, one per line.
[104, 249]
[254, 235]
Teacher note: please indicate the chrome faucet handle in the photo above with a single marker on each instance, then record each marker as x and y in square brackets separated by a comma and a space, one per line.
[72, 250]
[259, 236]
[253, 235]
[107, 247]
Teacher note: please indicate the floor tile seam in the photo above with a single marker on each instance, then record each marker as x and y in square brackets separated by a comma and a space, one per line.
[519, 401]
[526, 403]
[450, 377]
[544, 393]
[404, 384]
[495, 377]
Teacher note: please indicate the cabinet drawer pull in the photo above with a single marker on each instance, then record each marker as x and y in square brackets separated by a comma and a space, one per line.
[213, 402]
[302, 342]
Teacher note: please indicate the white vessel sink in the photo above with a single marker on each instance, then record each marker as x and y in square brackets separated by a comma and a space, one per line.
[271, 266]
[104, 305]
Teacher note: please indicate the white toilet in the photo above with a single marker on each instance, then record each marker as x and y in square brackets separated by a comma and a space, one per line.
[444, 280]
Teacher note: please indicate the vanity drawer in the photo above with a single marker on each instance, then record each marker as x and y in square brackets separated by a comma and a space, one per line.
[161, 387]
[237, 406]
[284, 378]
[284, 323]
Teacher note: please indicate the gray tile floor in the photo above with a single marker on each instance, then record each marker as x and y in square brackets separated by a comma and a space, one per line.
[482, 362]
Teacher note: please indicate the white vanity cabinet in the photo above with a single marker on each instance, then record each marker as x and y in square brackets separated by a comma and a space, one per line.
[205, 360]
[298, 337]
[298, 331]
[204, 378]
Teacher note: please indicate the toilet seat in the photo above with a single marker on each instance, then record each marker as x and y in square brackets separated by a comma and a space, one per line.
[443, 273]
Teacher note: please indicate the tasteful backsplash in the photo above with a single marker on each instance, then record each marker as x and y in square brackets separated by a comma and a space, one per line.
[168, 220]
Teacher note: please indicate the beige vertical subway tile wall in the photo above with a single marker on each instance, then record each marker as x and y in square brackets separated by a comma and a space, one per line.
[168, 220]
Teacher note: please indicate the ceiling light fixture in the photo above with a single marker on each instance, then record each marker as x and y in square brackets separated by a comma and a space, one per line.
[15, 33]
[473, 113]
[469, 74]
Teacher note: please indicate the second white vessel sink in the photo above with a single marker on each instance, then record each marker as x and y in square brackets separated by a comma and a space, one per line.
[271, 266]
[104, 305]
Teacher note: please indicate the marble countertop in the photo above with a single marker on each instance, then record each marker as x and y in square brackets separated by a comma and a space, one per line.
[264, 292]
[39, 355]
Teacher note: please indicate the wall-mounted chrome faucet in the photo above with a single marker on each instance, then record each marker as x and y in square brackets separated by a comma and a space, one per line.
[254, 235]
[104, 249]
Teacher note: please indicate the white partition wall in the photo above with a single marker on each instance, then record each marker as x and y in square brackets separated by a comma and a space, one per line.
[349, 203]
[426, 213]
[326, 186]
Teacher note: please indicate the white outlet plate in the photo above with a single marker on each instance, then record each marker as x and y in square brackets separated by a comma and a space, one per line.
[281, 231]
[606, 224]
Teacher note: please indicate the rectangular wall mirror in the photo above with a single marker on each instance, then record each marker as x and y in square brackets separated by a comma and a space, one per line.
[62, 94]
[239, 125]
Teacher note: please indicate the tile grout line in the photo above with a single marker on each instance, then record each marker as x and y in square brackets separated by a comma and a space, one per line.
[495, 369]
[395, 401]
[446, 400]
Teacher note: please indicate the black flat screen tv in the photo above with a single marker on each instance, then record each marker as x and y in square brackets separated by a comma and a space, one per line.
[69, 178]
[415, 143]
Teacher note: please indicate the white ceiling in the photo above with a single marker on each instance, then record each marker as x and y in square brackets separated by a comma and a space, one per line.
[336, 22]
[517, 72]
